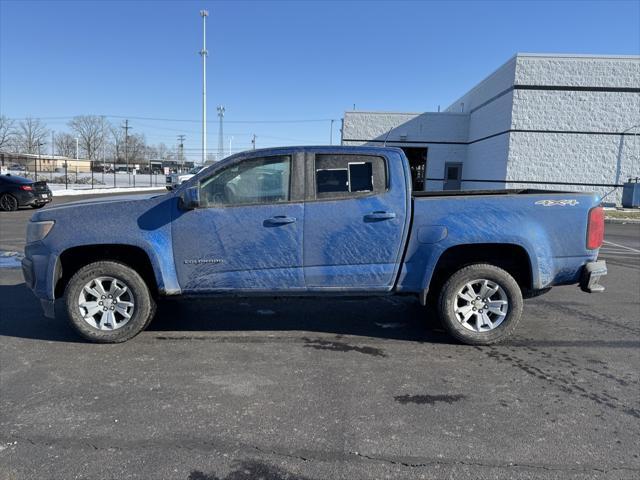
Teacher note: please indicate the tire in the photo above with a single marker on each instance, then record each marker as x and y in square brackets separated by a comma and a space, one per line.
[8, 203]
[499, 319]
[136, 293]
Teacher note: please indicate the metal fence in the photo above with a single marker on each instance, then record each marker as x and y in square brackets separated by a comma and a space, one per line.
[86, 174]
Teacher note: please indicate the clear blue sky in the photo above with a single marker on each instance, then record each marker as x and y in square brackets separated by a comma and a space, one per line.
[269, 60]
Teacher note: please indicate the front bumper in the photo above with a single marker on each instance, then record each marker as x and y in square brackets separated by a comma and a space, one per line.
[27, 272]
[591, 274]
[40, 273]
[48, 308]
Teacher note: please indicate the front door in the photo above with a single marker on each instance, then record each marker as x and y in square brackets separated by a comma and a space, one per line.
[247, 232]
[355, 217]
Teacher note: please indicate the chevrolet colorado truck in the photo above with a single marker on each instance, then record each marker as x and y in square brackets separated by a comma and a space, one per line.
[313, 221]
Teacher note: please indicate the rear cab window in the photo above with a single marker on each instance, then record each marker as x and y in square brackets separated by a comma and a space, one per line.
[339, 176]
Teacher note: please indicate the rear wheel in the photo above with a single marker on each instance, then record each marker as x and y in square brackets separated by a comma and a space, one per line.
[108, 302]
[8, 202]
[480, 304]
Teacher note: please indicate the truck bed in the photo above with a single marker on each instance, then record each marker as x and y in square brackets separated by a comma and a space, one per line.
[510, 191]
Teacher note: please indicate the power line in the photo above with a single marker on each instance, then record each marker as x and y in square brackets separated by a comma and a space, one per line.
[161, 119]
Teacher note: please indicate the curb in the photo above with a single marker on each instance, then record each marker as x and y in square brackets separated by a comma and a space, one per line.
[622, 221]
[78, 192]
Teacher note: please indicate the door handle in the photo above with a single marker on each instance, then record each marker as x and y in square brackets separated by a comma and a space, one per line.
[279, 220]
[379, 216]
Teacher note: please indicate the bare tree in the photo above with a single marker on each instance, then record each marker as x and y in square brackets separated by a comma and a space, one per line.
[152, 152]
[162, 151]
[117, 147]
[136, 147]
[91, 131]
[7, 132]
[31, 133]
[66, 145]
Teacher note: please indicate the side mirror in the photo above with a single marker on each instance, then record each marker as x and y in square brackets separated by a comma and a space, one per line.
[190, 198]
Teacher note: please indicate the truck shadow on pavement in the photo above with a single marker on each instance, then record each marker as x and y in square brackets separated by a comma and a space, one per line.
[396, 318]
[248, 470]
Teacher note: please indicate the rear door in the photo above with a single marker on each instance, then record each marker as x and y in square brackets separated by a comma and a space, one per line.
[355, 219]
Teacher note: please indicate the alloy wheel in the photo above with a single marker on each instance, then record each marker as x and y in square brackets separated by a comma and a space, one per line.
[106, 303]
[481, 305]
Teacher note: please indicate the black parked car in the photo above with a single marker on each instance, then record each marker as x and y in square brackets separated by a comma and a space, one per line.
[21, 192]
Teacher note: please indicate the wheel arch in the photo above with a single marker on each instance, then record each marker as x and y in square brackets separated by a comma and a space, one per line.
[74, 258]
[512, 258]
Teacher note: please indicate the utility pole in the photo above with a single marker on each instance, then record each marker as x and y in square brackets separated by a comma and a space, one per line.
[38, 160]
[76, 150]
[221, 111]
[253, 141]
[126, 151]
[204, 14]
[331, 133]
[52, 165]
[181, 138]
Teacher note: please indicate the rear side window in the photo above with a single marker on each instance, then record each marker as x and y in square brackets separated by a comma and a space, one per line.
[345, 176]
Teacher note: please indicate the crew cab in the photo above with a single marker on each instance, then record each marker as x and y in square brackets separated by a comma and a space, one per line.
[313, 221]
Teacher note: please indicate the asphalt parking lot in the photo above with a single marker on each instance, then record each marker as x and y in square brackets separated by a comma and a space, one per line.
[284, 389]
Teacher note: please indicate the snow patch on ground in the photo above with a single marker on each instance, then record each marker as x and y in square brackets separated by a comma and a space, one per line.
[60, 191]
[10, 259]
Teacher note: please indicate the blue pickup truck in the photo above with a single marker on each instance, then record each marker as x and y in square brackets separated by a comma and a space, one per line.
[313, 221]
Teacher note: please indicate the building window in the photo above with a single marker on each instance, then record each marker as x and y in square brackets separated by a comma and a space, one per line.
[453, 176]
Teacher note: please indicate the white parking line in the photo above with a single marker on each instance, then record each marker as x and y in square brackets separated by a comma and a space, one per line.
[621, 246]
[619, 251]
[607, 253]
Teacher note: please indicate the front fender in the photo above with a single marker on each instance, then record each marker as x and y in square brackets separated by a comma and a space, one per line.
[144, 224]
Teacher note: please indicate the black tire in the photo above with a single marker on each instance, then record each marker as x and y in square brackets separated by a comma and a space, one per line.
[143, 312]
[8, 203]
[457, 281]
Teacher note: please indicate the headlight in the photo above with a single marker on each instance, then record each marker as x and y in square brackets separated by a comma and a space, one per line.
[38, 230]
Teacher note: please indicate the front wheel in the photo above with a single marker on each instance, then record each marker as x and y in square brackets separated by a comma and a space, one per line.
[108, 302]
[480, 304]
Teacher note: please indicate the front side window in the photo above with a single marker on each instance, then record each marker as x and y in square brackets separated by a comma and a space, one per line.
[343, 176]
[255, 181]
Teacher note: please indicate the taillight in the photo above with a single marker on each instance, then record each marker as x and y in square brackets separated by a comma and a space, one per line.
[595, 228]
[25, 187]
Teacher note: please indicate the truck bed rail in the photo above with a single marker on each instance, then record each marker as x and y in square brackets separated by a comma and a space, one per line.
[511, 191]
